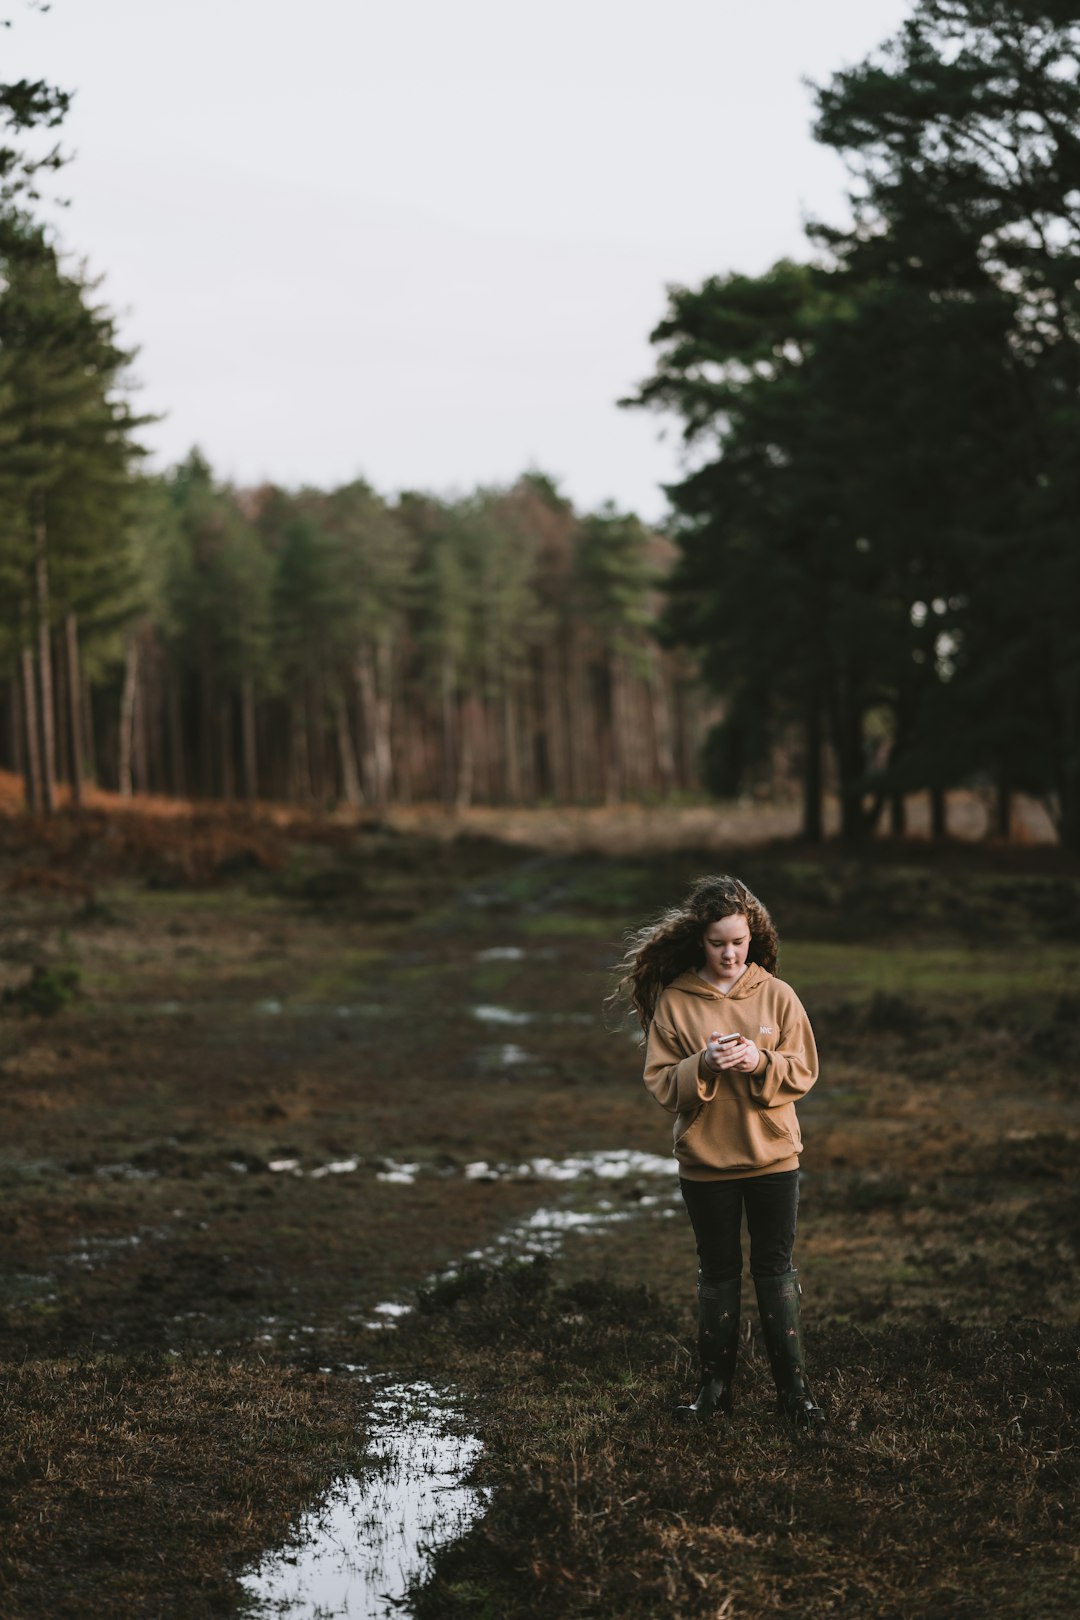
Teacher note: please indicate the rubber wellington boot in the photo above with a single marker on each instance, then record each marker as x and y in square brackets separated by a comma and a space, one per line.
[778, 1303]
[718, 1346]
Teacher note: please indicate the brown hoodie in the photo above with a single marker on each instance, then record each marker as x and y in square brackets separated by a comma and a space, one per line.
[731, 1124]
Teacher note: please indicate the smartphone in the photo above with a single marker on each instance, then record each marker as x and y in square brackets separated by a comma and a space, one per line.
[728, 1040]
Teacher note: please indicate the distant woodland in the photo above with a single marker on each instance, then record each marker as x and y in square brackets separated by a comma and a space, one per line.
[332, 647]
[869, 582]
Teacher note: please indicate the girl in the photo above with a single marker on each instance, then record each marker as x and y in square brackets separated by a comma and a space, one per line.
[729, 1051]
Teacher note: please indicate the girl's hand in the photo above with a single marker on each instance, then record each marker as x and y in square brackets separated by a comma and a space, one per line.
[713, 1049]
[721, 1052]
[741, 1055]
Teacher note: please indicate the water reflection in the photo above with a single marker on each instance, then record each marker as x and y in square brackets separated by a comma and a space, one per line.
[489, 1014]
[606, 1164]
[356, 1554]
[502, 1015]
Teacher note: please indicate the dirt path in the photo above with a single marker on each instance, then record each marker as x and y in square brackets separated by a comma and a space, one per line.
[305, 1073]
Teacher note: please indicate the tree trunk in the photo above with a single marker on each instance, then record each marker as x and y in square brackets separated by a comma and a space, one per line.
[60, 731]
[408, 735]
[225, 746]
[532, 726]
[31, 747]
[449, 729]
[511, 743]
[374, 677]
[350, 775]
[317, 738]
[140, 741]
[813, 827]
[855, 822]
[127, 715]
[897, 815]
[384, 715]
[154, 720]
[74, 694]
[661, 722]
[45, 674]
[176, 736]
[464, 788]
[580, 710]
[615, 777]
[14, 725]
[206, 725]
[299, 772]
[938, 814]
[1003, 807]
[89, 742]
[251, 758]
[556, 782]
[364, 669]
[1067, 818]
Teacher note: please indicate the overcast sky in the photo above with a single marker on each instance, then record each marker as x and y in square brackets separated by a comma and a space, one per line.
[425, 241]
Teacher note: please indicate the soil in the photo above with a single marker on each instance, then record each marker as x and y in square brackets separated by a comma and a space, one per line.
[252, 1067]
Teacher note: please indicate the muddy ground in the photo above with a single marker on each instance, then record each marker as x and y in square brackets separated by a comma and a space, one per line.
[258, 1080]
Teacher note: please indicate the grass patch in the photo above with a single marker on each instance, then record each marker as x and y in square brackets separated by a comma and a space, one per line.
[941, 1487]
[218, 1453]
[48, 990]
[932, 972]
[939, 1231]
[569, 925]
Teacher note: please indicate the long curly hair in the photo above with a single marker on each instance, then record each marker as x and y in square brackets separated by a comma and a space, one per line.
[659, 952]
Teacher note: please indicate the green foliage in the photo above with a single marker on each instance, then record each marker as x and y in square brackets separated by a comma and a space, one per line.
[67, 433]
[962, 134]
[880, 524]
[214, 577]
[26, 104]
[48, 990]
[615, 576]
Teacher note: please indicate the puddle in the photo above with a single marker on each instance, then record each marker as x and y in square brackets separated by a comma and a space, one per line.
[507, 1056]
[501, 953]
[387, 1313]
[94, 1252]
[402, 1174]
[502, 1015]
[611, 1165]
[356, 1554]
[271, 1007]
[124, 1172]
[615, 1164]
[545, 1230]
[340, 1167]
[488, 1014]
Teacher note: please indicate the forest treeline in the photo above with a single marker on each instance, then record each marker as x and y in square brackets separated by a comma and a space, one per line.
[328, 647]
[872, 559]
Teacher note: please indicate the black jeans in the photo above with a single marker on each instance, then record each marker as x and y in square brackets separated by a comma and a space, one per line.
[715, 1209]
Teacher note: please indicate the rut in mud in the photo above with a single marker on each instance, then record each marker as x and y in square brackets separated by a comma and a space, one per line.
[277, 1108]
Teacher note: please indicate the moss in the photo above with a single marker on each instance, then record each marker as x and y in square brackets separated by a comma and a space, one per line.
[568, 924]
[932, 972]
[48, 990]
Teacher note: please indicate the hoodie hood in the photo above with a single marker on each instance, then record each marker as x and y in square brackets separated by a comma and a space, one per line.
[750, 983]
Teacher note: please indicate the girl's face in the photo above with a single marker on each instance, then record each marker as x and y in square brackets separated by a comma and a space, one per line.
[726, 943]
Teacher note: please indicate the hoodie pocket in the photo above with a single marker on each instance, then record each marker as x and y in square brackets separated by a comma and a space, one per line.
[685, 1122]
[783, 1124]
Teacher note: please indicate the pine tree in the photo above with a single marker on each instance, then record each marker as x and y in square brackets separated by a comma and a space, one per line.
[963, 134]
[68, 465]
